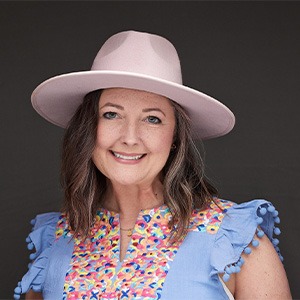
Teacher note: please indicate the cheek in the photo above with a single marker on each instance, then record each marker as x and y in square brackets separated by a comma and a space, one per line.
[99, 159]
[104, 136]
[161, 143]
[100, 142]
[100, 145]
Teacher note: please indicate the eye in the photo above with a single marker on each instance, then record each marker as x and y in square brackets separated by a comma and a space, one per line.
[153, 120]
[110, 115]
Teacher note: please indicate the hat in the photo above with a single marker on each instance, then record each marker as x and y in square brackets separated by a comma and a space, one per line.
[134, 60]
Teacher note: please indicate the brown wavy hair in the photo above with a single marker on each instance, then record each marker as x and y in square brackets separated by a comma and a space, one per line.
[185, 186]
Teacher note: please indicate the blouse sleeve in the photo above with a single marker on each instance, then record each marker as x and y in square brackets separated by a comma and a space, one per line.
[41, 240]
[243, 225]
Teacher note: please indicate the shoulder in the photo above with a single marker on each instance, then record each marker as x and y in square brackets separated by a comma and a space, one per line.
[209, 218]
[262, 275]
[235, 229]
[47, 228]
[220, 214]
[244, 246]
[244, 227]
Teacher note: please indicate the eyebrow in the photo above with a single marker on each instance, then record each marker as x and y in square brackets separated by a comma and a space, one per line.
[122, 108]
[153, 109]
[113, 105]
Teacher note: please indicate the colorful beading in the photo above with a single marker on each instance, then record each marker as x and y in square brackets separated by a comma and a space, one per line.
[95, 271]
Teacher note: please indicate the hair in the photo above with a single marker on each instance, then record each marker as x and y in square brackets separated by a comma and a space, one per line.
[184, 183]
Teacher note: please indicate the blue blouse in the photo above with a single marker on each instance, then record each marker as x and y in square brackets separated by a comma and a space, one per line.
[65, 267]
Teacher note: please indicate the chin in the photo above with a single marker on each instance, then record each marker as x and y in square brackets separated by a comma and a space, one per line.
[128, 180]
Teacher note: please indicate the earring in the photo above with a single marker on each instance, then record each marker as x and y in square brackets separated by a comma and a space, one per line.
[173, 147]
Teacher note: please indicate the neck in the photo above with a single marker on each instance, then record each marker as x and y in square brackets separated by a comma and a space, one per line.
[128, 201]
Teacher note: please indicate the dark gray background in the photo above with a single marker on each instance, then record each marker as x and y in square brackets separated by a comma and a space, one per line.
[245, 54]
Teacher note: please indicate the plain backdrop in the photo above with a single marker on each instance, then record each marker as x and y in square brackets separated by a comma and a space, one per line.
[246, 54]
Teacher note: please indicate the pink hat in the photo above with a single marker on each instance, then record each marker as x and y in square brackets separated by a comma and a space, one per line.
[134, 60]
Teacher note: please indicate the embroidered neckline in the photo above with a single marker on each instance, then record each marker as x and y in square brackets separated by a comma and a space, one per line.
[95, 268]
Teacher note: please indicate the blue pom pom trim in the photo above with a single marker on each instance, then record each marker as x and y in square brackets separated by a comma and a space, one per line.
[263, 210]
[32, 256]
[18, 291]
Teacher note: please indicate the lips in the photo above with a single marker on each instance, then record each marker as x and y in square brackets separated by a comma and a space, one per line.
[127, 156]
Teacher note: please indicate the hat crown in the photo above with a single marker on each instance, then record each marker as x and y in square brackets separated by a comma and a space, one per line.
[141, 53]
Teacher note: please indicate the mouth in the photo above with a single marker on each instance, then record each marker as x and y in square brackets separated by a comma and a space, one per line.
[127, 157]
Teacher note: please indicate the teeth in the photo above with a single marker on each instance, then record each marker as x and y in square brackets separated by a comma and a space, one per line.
[127, 157]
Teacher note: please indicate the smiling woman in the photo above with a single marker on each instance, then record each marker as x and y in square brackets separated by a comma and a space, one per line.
[139, 219]
[133, 145]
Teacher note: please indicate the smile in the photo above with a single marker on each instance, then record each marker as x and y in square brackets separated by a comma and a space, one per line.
[127, 157]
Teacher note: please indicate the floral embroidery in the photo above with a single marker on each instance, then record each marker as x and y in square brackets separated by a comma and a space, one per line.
[95, 271]
[210, 219]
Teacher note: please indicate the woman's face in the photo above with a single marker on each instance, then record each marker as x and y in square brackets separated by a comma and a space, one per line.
[134, 135]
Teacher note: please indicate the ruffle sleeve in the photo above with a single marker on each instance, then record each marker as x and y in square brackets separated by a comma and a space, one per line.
[39, 240]
[243, 225]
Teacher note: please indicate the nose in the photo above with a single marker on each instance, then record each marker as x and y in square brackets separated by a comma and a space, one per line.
[130, 133]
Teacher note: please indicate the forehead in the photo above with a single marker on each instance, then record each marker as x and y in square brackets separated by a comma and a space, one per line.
[134, 97]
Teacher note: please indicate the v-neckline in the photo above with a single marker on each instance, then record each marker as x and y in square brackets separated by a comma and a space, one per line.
[143, 226]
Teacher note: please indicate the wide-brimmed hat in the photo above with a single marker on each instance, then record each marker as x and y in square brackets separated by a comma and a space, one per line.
[134, 60]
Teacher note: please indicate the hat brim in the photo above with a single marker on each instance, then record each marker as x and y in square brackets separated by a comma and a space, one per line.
[57, 99]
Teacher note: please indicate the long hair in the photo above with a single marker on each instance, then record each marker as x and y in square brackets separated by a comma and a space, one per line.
[185, 186]
[82, 183]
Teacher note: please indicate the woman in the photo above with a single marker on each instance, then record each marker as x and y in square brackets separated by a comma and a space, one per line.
[140, 221]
